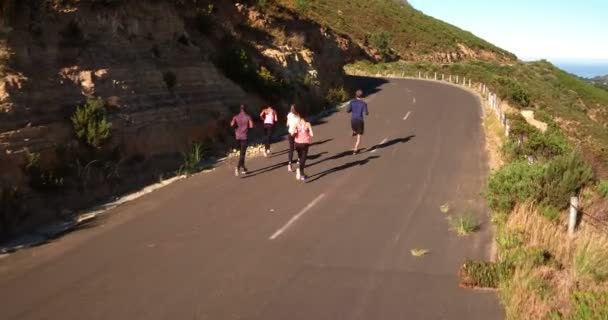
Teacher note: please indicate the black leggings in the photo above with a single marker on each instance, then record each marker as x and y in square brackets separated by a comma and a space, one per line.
[292, 147]
[302, 149]
[243, 151]
[268, 129]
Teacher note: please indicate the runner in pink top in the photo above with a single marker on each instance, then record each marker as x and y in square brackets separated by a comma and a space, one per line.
[269, 116]
[303, 138]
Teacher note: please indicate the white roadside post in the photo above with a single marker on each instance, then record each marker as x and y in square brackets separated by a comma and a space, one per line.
[435, 75]
[573, 215]
[450, 80]
[442, 77]
[457, 77]
[419, 74]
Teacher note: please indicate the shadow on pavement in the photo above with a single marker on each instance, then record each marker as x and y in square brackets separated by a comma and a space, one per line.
[284, 151]
[345, 166]
[334, 157]
[391, 142]
[369, 85]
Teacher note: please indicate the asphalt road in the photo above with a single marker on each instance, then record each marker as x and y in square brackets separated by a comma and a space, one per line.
[266, 246]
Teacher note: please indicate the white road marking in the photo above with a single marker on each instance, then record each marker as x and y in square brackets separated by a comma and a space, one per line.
[407, 115]
[414, 100]
[296, 217]
[383, 142]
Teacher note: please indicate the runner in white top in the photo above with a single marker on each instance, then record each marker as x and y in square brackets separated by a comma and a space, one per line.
[292, 121]
[269, 116]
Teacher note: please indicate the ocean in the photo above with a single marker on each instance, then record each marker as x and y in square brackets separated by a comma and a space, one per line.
[584, 69]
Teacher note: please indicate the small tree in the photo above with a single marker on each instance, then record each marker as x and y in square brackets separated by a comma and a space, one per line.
[380, 41]
[91, 124]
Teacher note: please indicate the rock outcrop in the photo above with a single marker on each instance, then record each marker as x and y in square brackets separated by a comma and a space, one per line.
[154, 64]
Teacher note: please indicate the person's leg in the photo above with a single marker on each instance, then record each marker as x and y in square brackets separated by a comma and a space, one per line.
[303, 158]
[357, 143]
[292, 146]
[267, 133]
[300, 150]
[243, 155]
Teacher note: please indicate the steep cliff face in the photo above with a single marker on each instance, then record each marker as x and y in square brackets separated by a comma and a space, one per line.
[165, 71]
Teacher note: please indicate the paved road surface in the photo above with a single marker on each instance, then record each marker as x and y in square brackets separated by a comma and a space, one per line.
[218, 247]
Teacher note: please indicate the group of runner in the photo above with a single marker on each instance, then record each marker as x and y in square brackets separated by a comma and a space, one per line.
[299, 130]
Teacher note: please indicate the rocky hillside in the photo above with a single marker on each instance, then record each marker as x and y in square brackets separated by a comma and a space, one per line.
[159, 75]
[396, 30]
[98, 97]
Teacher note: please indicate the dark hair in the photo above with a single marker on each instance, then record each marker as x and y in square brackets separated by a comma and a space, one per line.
[359, 93]
[243, 107]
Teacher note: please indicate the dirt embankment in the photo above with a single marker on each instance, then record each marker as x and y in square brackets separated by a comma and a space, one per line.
[169, 75]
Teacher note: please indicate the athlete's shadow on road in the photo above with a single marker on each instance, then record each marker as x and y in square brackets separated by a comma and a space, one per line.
[284, 152]
[280, 165]
[345, 166]
[391, 142]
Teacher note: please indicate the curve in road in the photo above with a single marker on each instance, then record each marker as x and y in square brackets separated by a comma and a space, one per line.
[268, 247]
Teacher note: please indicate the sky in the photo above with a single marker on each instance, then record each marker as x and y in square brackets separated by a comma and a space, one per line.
[558, 30]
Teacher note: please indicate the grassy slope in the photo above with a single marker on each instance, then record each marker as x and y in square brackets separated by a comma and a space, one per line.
[410, 31]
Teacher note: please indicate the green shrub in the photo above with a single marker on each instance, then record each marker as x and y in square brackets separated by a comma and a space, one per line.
[514, 183]
[591, 260]
[513, 91]
[550, 212]
[337, 95]
[192, 159]
[539, 145]
[562, 178]
[464, 224]
[39, 178]
[550, 184]
[602, 188]
[589, 305]
[90, 123]
[381, 41]
[302, 4]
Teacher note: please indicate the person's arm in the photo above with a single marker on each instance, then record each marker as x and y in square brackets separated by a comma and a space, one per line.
[276, 119]
[262, 114]
[233, 122]
[310, 130]
[366, 111]
[250, 123]
[349, 109]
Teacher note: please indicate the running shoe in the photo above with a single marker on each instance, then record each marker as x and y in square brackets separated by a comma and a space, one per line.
[298, 176]
[236, 172]
[303, 178]
[244, 171]
[289, 168]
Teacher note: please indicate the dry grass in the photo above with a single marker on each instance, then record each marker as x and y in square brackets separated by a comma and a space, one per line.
[494, 134]
[579, 263]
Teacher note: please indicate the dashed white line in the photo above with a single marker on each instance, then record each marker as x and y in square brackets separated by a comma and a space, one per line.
[381, 143]
[296, 217]
[407, 115]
